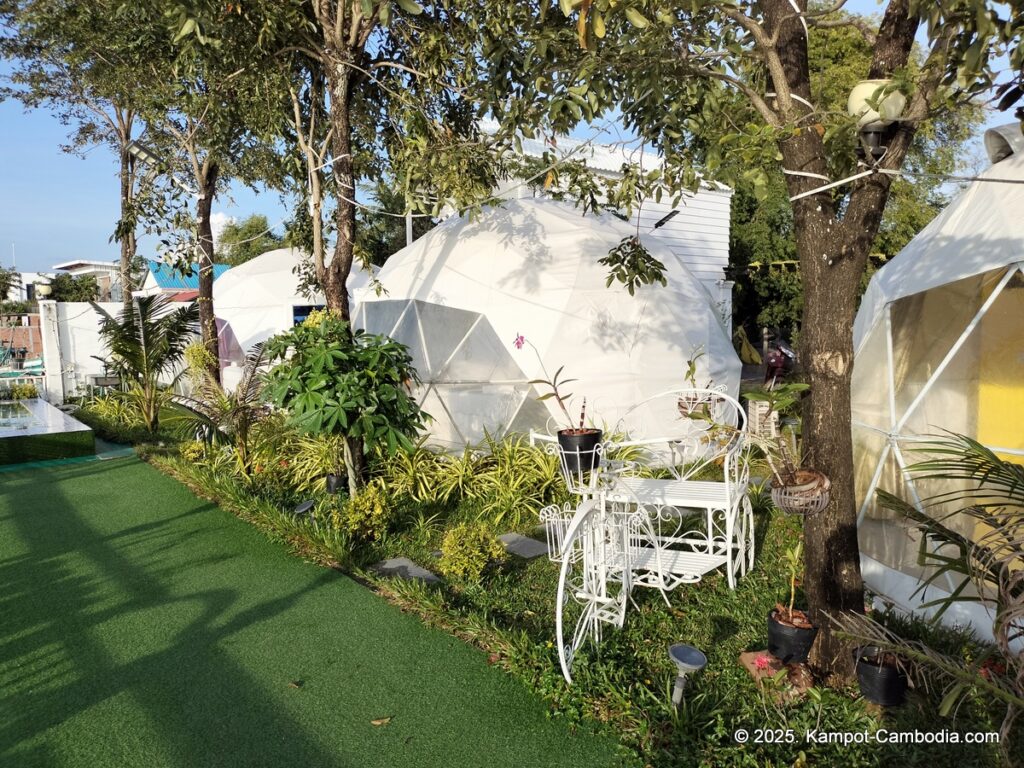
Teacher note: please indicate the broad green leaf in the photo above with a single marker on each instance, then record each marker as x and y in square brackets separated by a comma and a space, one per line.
[410, 6]
[186, 29]
[950, 699]
[636, 18]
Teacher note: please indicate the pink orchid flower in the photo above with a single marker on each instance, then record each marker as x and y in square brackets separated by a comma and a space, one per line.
[762, 662]
[519, 342]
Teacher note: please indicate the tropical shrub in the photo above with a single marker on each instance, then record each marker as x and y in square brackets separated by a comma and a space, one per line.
[222, 416]
[467, 551]
[193, 451]
[416, 474]
[23, 391]
[354, 385]
[510, 479]
[115, 407]
[270, 482]
[515, 480]
[368, 515]
[145, 343]
[310, 458]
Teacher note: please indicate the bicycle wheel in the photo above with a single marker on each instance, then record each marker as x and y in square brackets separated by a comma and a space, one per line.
[592, 583]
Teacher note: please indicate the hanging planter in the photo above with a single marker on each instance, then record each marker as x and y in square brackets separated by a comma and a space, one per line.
[578, 449]
[803, 492]
[881, 676]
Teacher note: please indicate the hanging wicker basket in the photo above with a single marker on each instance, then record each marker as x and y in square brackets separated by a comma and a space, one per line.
[808, 494]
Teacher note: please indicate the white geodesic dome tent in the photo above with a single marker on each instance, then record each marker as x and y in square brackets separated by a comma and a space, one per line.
[939, 343]
[459, 296]
[261, 297]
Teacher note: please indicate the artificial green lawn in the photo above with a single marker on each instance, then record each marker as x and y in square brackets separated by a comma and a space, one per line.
[140, 626]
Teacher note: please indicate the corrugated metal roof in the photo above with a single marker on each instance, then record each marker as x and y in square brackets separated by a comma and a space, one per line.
[170, 280]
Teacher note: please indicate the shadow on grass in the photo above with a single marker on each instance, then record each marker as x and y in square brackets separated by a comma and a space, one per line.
[66, 602]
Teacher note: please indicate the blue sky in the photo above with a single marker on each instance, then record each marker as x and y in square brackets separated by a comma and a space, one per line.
[56, 207]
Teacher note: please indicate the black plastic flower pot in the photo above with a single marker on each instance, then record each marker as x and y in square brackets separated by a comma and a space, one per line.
[578, 448]
[334, 482]
[881, 679]
[790, 645]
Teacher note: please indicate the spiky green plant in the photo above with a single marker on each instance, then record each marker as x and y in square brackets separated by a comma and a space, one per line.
[219, 415]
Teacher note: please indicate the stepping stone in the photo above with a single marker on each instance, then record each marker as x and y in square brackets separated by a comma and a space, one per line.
[404, 568]
[523, 546]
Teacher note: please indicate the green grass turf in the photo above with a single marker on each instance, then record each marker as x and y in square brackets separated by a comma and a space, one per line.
[140, 626]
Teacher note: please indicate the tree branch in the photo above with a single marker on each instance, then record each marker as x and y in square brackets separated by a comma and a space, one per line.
[753, 96]
[767, 46]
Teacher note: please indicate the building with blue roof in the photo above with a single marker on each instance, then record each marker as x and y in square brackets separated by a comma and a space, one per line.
[162, 278]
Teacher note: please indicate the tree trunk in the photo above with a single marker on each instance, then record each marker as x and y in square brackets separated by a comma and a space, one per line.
[832, 579]
[207, 321]
[830, 274]
[833, 255]
[126, 228]
[340, 78]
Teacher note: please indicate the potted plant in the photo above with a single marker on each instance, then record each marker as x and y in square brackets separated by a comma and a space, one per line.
[790, 632]
[881, 675]
[781, 402]
[577, 443]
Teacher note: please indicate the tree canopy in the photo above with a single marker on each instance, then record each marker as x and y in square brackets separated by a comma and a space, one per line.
[68, 287]
[243, 240]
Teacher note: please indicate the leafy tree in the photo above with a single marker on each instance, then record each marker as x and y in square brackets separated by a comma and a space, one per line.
[8, 279]
[245, 240]
[200, 103]
[68, 287]
[769, 293]
[145, 344]
[375, 90]
[354, 385]
[81, 62]
[727, 90]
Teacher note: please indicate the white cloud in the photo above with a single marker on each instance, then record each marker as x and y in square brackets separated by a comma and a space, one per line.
[218, 221]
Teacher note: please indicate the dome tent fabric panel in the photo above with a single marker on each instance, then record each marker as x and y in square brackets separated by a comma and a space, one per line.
[981, 230]
[530, 268]
[257, 299]
[940, 346]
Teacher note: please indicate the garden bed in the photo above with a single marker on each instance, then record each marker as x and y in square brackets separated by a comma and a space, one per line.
[626, 685]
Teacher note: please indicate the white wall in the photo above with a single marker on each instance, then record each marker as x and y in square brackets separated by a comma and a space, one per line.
[71, 346]
[698, 234]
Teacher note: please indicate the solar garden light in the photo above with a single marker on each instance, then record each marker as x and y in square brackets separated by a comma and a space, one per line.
[687, 660]
[147, 156]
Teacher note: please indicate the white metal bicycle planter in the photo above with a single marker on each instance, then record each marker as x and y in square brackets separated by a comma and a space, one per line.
[633, 531]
